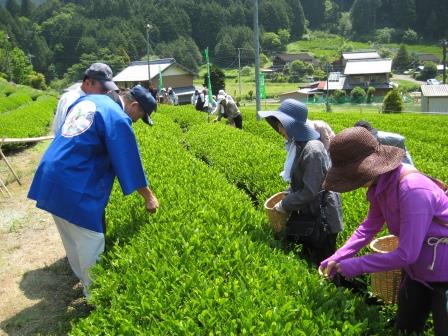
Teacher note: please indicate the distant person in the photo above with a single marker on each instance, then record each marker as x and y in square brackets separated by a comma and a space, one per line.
[194, 97]
[172, 97]
[153, 91]
[75, 176]
[387, 138]
[325, 131]
[97, 80]
[226, 107]
[200, 101]
[163, 96]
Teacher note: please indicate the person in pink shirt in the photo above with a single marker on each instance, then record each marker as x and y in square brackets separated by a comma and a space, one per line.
[413, 207]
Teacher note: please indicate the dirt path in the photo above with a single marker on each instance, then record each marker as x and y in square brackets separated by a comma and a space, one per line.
[407, 78]
[39, 295]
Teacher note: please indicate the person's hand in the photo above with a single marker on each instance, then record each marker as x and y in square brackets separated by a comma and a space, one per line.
[152, 204]
[332, 268]
[279, 208]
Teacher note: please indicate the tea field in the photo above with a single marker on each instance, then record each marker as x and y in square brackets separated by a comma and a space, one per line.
[207, 262]
[24, 111]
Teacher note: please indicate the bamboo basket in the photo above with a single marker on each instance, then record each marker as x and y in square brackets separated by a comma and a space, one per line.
[385, 285]
[277, 220]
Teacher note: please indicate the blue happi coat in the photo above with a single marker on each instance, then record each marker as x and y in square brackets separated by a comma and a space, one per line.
[75, 176]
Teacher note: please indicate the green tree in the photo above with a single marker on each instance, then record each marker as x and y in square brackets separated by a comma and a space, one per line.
[204, 33]
[384, 35]
[231, 39]
[20, 66]
[217, 79]
[26, 8]
[339, 96]
[410, 36]
[300, 69]
[271, 42]
[284, 36]
[314, 12]
[274, 15]
[402, 60]
[364, 16]
[370, 94]
[12, 7]
[52, 75]
[297, 18]
[402, 13]
[184, 50]
[393, 102]
[76, 71]
[36, 80]
[246, 71]
[429, 71]
[358, 95]
[264, 60]
[345, 24]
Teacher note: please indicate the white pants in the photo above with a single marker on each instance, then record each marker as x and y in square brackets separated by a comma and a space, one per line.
[82, 246]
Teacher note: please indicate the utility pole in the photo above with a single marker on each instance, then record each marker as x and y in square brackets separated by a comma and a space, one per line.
[444, 46]
[239, 71]
[148, 28]
[257, 59]
[327, 104]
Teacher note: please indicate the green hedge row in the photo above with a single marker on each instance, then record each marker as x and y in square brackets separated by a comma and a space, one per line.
[206, 264]
[29, 120]
[13, 101]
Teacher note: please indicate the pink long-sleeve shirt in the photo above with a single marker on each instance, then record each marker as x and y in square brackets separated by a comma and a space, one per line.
[408, 207]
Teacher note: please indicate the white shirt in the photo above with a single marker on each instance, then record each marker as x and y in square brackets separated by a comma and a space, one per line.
[66, 100]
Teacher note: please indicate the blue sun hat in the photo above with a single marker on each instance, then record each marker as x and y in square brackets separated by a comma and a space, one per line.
[293, 115]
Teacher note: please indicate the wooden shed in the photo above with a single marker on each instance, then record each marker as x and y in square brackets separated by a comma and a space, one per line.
[174, 75]
[435, 98]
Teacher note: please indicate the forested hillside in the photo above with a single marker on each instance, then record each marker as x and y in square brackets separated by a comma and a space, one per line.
[60, 36]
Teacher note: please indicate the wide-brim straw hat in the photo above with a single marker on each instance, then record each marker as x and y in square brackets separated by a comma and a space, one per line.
[357, 158]
[293, 115]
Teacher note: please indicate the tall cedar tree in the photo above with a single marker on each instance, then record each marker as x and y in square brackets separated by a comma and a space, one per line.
[314, 12]
[217, 79]
[402, 60]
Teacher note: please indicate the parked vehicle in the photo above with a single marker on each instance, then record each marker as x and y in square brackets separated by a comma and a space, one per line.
[432, 81]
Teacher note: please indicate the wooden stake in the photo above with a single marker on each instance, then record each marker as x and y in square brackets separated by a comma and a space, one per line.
[4, 186]
[10, 167]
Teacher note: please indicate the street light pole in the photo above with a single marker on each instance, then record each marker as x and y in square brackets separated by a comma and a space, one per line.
[8, 58]
[239, 71]
[444, 46]
[327, 103]
[148, 28]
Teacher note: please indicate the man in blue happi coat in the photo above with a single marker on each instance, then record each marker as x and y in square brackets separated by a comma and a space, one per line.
[75, 176]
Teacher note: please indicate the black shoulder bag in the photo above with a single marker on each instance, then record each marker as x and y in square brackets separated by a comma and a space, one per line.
[309, 229]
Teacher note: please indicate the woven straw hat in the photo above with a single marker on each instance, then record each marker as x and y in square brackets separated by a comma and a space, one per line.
[357, 158]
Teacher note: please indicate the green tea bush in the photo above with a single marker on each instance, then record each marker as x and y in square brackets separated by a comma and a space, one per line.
[206, 264]
[29, 120]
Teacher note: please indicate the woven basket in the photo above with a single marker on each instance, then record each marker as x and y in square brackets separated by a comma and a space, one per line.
[277, 220]
[385, 285]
